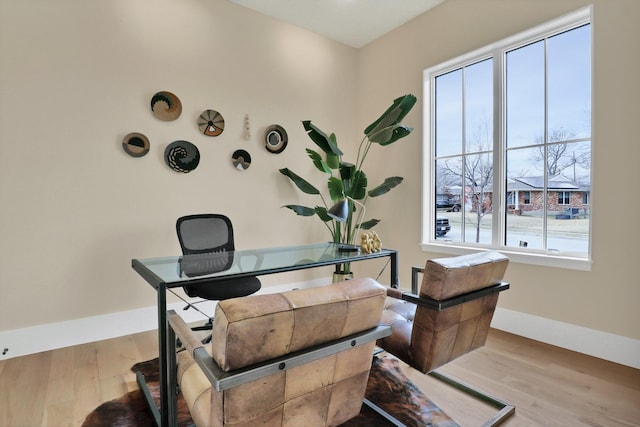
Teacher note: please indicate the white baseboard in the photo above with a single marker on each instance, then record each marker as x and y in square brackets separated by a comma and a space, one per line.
[36, 339]
[614, 348]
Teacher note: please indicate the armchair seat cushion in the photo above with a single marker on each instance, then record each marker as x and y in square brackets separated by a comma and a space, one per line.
[399, 315]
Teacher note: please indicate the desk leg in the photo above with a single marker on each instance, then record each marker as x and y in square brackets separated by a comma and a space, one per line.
[162, 352]
[395, 280]
[168, 413]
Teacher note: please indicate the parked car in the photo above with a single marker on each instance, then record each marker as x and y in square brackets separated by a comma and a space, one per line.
[442, 226]
[447, 205]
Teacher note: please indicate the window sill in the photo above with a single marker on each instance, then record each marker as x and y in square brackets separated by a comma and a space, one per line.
[542, 259]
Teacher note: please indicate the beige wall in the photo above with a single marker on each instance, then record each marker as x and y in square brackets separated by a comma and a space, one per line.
[606, 298]
[76, 76]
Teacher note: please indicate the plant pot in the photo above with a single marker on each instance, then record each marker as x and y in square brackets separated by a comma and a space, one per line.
[339, 276]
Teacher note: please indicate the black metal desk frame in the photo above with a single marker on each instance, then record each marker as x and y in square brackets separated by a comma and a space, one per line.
[164, 273]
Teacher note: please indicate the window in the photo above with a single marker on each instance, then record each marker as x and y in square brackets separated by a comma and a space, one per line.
[509, 136]
[564, 198]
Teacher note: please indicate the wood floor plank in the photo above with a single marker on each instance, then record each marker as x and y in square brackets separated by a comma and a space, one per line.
[59, 415]
[23, 394]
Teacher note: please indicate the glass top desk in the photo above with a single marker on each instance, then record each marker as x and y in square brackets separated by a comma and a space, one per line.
[178, 271]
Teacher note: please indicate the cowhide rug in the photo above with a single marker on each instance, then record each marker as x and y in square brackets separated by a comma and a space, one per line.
[388, 387]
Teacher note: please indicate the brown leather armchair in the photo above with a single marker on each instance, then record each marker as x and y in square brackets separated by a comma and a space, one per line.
[449, 317]
[295, 358]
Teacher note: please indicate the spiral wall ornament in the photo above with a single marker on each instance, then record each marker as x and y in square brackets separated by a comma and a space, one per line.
[166, 106]
[182, 156]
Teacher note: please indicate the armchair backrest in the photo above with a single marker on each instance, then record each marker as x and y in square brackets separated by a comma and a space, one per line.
[250, 330]
[439, 336]
[255, 330]
[449, 277]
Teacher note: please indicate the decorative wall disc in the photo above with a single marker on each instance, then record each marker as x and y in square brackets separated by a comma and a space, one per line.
[182, 156]
[275, 139]
[135, 144]
[241, 159]
[166, 106]
[211, 123]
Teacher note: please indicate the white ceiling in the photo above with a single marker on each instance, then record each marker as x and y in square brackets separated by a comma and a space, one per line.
[352, 22]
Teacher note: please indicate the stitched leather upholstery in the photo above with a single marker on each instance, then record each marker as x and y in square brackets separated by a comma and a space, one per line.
[249, 330]
[427, 338]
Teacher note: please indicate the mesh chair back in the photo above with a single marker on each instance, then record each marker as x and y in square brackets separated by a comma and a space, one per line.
[205, 233]
[207, 245]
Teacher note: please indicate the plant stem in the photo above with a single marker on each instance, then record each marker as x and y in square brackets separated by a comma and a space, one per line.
[358, 156]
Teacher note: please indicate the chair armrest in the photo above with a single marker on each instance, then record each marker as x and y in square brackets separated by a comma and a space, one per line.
[415, 270]
[446, 303]
[183, 331]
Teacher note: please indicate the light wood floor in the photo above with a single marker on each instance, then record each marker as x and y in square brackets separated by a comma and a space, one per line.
[549, 386]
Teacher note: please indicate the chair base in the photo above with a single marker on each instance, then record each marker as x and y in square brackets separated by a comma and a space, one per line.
[387, 416]
[151, 404]
[505, 409]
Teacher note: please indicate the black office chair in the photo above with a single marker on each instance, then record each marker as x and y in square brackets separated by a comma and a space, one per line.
[207, 245]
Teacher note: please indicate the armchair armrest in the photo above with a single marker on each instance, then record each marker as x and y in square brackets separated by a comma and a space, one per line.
[446, 303]
[415, 270]
[450, 302]
[440, 305]
[182, 330]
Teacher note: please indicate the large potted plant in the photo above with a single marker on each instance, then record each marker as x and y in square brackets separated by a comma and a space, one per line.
[347, 181]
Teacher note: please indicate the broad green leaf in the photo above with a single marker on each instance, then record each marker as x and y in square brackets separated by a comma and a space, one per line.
[333, 159]
[390, 134]
[336, 189]
[318, 162]
[301, 183]
[347, 170]
[367, 225]
[321, 139]
[322, 213]
[301, 210]
[387, 185]
[394, 114]
[358, 186]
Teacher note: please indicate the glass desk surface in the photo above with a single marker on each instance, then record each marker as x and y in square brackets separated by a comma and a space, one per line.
[176, 270]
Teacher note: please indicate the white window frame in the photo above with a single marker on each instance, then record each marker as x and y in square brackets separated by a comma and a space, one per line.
[496, 51]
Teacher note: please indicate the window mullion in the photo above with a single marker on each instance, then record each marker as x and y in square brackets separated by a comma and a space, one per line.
[545, 139]
[498, 237]
[463, 215]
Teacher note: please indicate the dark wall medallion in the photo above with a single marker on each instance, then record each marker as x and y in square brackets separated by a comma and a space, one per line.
[211, 123]
[241, 159]
[166, 106]
[275, 139]
[135, 144]
[182, 156]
